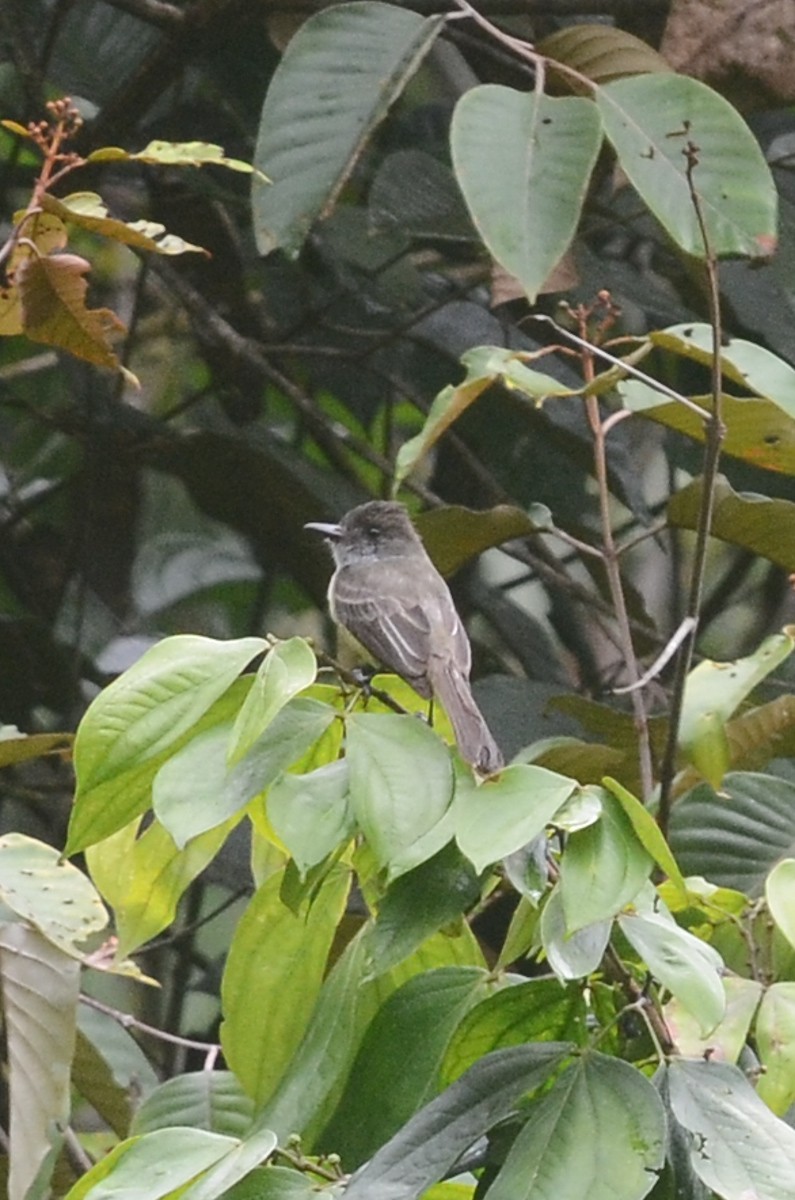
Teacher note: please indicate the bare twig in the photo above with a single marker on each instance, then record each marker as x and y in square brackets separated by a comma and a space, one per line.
[715, 432]
[128, 1021]
[687, 627]
[153, 12]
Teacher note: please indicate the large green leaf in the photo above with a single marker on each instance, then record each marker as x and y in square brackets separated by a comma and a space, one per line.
[401, 785]
[212, 1100]
[131, 727]
[537, 1010]
[603, 868]
[727, 1040]
[687, 966]
[275, 968]
[506, 813]
[659, 124]
[575, 955]
[397, 1067]
[734, 837]
[337, 80]
[427, 1146]
[311, 812]
[599, 1134]
[286, 670]
[780, 896]
[524, 188]
[40, 989]
[602, 52]
[737, 1146]
[197, 790]
[765, 527]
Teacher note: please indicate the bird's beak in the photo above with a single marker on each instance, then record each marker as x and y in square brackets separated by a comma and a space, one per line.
[330, 531]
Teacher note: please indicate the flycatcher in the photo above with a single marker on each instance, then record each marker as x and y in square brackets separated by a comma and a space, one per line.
[388, 594]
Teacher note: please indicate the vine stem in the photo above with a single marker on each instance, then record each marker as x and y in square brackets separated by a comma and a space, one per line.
[714, 433]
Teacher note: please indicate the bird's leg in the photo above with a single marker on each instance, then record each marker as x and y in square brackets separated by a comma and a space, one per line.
[363, 677]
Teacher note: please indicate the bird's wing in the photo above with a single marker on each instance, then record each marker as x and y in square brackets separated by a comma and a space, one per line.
[389, 617]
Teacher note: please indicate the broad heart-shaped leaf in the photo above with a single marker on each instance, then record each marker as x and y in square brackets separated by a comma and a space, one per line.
[765, 527]
[536, 1010]
[427, 1146]
[51, 894]
[688, 967]
[603, 868]
[143, 878]
[401, 784]
[675, 136]
[505, 814]
[780, 896]
[525, 188]
[286, 670]
[40, 989]
[275, 967]
[196, 789]
[734, 838]
[712, 693]
[571, 956]
[139, 716]
[88, 211]
[599, 1134]
[484, 365]
[53, 291]
[397, 1067]
[317, 119]
[211, 1100]
[311, 813]
[737, 1146]
[775, 1044]
[156, 1164]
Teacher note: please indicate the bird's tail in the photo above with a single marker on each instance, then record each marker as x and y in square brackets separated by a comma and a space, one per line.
[475, 740]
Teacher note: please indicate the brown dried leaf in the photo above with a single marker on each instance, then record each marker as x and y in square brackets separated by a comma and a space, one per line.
[53, 291]
[47, 233]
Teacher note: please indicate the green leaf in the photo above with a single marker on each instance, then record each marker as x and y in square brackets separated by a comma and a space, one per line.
[726, 1041]
[525, 188]
[143, 878]
[87, 210]
[401, 784]
[423, 1151]
[397, 1067]
[196, 789]
[141, 715]
[418, 904]
[309, 149]
[257, 1146]
[688, 967]
[648, 833]
[152, 1166]
[40, 989]
[506, 813]
[673, 134]
[276, 965]
[454, 536]
[734, 837]
[601, 52]
[737, 1146]
[712, 693]
[16, 747]
[745, 363]
[276, 1183]
[212, 1100]
[311, 813]
[599, 1133]
[484, 365]
[780, 897]
[174, 154]
[765, 527]
[50, 894]
[603, 868]
[286, 670]
[575, 955]
[95, 1080]
[538, 1010]
[775, 1044]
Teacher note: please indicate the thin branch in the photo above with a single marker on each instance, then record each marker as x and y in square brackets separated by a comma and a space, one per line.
[687, 627]
[153, 12]
[128, 1021]
[354, 680]
[715, 432]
